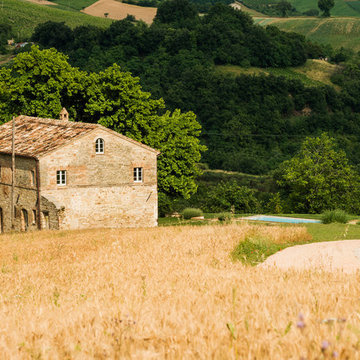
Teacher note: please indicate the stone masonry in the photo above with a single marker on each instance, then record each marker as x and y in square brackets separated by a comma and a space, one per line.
[97, 188]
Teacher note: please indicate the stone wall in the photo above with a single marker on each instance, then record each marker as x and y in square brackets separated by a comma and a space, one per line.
[25, 205]
[100, 189]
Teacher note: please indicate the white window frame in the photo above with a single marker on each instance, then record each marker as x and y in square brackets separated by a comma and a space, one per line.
[61, 177]
[138, 174]
[99, 146]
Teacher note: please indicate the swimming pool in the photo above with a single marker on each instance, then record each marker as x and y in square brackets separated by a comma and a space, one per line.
[282, 219]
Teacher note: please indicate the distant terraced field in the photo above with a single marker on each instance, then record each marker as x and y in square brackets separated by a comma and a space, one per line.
[313, 73]
[24, 16]
[337, 31]
[118, 11]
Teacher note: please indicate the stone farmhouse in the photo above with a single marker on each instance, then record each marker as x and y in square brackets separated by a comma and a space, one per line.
[72, 175]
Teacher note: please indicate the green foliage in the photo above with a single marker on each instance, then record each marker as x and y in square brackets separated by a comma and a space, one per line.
[319, 177]
[311, 12]
[334, 216]
[189, 213]
[284, 7]
[255, 250]
[41, 82]
[275, 204]
[325, 6]
[53, 34]
[230, 195]
[225, 217]
[176, 12]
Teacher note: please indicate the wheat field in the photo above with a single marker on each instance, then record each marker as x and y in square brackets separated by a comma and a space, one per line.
[168, 293]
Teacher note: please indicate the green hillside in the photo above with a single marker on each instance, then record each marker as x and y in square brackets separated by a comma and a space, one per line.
[336, 31]
[313, 73]
[76, 5]
[23, 16]
[341, 8]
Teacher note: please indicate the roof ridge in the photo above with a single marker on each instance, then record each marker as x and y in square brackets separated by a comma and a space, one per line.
[57, 122]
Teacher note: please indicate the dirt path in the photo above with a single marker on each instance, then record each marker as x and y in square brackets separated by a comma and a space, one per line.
[117, 10]
[41, 2]
[342, 255]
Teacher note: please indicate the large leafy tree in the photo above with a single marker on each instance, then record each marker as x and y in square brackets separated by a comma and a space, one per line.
[41, 82]
[319, 177]
[325, 6]
[283, 7]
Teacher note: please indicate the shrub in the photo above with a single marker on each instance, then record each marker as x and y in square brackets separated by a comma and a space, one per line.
[228, 195]
[224, 217]
[189, 213]
[311, 12]
[331, 216]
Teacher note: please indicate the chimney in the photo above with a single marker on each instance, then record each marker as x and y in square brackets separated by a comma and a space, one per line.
[64, 115]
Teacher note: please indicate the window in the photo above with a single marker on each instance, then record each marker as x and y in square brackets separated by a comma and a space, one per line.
[61, 177]
[99, 146]
[34, 217]
[138, 174]
[32, 177]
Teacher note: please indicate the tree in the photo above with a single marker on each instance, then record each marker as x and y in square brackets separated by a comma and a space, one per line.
[325, 6]
[53, 34]
[41, 82]
[118, 102]
[319, 177]
[283, 7]
[178, 12]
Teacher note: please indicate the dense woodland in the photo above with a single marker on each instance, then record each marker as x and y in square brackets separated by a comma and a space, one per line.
[249, 123]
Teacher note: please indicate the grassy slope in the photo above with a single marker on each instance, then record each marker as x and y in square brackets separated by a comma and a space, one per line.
[74, 4]
[24, 16]
[341, 8]
[313, 73]
[335, 31]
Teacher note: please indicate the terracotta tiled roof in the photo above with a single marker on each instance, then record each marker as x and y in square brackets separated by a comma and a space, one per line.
[37, 136]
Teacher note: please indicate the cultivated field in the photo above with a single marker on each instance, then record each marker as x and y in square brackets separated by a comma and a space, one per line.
[168, 292]
[336, 31]
[312, 73]
[24, 16]
[118, 11]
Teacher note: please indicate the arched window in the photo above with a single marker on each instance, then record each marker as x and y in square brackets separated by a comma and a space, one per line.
[99, 146]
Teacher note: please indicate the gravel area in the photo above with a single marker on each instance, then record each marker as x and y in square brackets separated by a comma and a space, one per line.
[328, 256]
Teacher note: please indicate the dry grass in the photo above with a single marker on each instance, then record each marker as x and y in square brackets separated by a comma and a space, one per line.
[118, 11]
[279, 234]
[165, 293]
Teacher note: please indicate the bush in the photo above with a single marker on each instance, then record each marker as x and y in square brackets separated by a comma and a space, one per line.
[224, 217]
[311, 12]
[189, 213]
[331, 216]
[228, 195]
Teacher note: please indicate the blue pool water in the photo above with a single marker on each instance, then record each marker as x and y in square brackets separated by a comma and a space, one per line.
[282, 219]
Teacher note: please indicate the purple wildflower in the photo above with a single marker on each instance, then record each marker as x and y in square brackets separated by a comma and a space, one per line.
[324, 345]
[301, 322]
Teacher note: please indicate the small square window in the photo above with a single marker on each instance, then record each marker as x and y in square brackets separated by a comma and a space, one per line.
[138, 174]
[61, 177]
